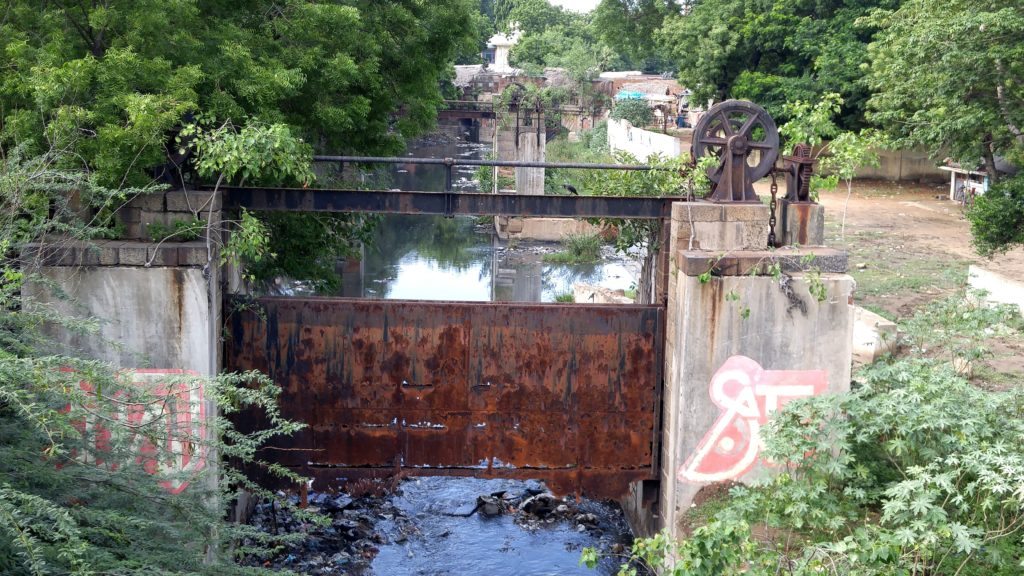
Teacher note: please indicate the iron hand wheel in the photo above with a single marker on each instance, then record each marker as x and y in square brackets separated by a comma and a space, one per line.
[745, 140]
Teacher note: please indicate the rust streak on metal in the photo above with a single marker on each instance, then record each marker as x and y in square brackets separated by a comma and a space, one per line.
[568, 394]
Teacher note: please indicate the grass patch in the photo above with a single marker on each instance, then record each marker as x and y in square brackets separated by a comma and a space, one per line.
[579, 249]
[565, 297]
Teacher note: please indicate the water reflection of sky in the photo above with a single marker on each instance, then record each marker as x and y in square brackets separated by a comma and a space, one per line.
[436, 258]
[419, 278]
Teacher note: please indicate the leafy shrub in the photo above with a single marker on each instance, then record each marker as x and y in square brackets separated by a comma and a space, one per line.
[997, 217]
[565, 297]
[634, 110]
[913, 472]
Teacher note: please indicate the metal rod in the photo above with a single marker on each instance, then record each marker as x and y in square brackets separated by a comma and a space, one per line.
[466, 162]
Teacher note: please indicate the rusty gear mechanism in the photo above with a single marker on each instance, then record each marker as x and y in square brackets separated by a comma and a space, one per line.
[745, 140]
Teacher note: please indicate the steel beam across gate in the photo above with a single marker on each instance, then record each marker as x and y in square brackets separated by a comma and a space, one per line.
[567, 394]
[446, 203]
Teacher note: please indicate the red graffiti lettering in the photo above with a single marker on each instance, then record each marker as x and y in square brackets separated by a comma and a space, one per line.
[747, 395]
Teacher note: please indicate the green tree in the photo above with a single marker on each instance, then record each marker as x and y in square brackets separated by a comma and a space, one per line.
[950, 76]
[628, 26]
[351, 75]
[77, 493]
[773, 51]
[636, 111]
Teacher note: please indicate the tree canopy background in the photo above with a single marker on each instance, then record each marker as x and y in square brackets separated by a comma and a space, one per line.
[116, 77]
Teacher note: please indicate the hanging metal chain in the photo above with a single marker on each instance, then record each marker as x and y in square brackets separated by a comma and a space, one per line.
[771, 211]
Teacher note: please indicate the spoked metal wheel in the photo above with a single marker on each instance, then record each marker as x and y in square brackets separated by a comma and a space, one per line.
[745, 140]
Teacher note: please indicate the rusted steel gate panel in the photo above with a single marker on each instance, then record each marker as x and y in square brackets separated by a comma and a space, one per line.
[566, 393]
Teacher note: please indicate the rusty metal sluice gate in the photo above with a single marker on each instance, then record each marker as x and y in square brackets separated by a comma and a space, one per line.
[567, 394]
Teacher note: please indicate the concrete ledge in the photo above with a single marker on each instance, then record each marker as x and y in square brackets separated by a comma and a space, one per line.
[873, 335]
[108, 253]
[999, 288]
[759, 262]
[591, 294]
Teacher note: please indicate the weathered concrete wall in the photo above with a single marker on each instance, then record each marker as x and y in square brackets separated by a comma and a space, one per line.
[151, 317]
[706, 328]
[903, 165]
[542, 229]
[530, 149]
[158, 304]
[738, 347]
[641, 143]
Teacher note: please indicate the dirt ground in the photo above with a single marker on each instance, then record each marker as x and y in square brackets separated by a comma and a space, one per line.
[909, 245]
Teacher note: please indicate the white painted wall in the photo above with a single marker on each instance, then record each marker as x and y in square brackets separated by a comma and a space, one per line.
[641, 143]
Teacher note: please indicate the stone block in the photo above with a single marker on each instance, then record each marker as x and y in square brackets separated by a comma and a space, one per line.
[755, 234]
[152, 202]
[108, 252]
[133, 254]
[88, 255]
[148, 218]
[192, 201]
[697, 212]
[130, 214]
[802, 224]
[745, 213]
[133, 231]
[165, 254]
[873, 335]
[192, 254]
[758, 262]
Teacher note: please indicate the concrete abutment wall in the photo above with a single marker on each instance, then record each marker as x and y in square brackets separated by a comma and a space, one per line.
[744, 336]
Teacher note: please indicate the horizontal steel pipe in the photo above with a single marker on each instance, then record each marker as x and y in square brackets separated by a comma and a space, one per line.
[468, 162]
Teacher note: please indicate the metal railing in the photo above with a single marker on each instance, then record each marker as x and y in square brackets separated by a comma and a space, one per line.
[450, 163]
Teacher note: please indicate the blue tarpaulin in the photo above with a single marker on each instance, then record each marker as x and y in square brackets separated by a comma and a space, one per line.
[628, 94]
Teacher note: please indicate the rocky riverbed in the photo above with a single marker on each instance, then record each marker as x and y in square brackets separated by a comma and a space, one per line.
[439, 525]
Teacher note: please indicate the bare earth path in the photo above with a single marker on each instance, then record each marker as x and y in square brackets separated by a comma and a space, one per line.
[908, 244]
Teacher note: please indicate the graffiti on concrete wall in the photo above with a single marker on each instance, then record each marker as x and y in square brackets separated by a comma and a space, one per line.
[174, 417]
[747, 394]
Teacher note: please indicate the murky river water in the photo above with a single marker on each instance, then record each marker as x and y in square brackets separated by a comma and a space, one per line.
[437, 258]
[442, 542]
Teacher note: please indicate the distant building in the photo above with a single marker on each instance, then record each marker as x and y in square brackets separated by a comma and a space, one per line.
[502, 45]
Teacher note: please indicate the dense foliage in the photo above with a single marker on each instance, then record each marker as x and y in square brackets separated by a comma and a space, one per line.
[121, 74]
[636, 111]
[774, 51]
[949, 76]
[628, 26]
[915, 471]
[113, 83]
[997, 217]
[87, 453]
